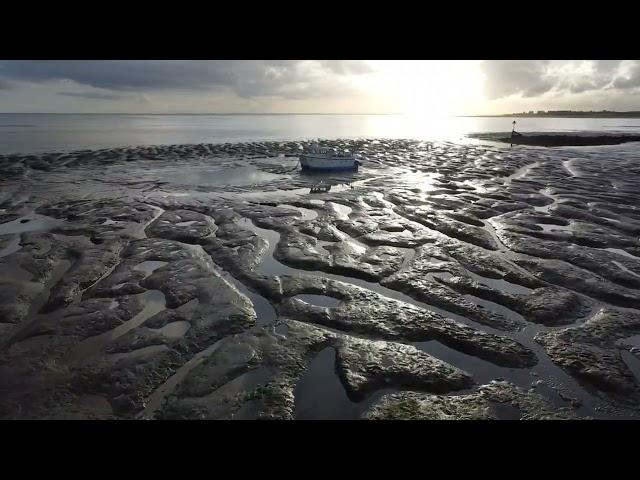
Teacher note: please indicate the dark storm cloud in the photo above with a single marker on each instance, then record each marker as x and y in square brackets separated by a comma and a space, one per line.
[530, 78]
[116, 74]
[92, 95]
[286, 78]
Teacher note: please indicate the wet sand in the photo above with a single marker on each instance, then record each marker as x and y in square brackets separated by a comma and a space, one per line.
[206, 282]
[558, 139]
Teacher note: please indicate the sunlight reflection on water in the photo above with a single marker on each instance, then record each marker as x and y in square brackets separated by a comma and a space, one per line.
[26, 133]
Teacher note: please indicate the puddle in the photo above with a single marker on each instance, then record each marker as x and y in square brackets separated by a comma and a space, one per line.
[138, 231]
[307, 213]
[567, 164]
[154, 303]
[326, 245]
[490, 229]
[282, 194]
[174, 329]
[350, 247]
[246, 382]
[496, 308]
[149, 267]
[157, 397]
[212, 176]
[632, 362]
[521, 172]
[320, 395]
[319, 300]
[12, 247]
[265, 313]
[341, 211]
[281, 328]
[138, 353]
[506, 411]
[442, 276]
[548, 227]
[248, 411]
[482, 371]
[268, 265]
[633, 341]
[546, 192]
[500, 284]
[38, 292]
[35, 223]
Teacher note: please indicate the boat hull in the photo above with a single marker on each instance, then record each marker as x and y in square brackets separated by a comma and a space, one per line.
[310, 162]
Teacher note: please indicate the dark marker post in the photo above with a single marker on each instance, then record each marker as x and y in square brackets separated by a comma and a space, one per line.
[514, 133]
[513, 130]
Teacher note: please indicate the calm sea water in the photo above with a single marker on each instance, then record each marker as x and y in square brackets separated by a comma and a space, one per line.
[33, 133]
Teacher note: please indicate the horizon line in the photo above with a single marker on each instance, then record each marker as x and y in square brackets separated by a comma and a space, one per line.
[513, 114]
[187, 113]
[238, 113]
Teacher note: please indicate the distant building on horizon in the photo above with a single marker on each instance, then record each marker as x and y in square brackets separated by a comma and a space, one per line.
[575, 113]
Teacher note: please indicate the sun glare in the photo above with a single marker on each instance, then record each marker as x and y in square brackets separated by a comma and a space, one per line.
[428, 88]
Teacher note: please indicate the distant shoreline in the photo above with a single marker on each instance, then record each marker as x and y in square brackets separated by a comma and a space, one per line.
[561, 115]
[202, 114]
[558, 139]
[506, 115]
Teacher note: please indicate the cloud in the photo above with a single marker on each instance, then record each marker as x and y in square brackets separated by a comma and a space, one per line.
[92, 95]
[342, 67]
[247, 78]
[629, 77]
[533, 78]
[310, 85]
[508, 77]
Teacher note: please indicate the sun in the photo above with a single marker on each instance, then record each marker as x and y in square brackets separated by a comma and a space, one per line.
[431, 88]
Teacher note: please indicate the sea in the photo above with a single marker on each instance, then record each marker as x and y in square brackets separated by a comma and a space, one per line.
[33, 133]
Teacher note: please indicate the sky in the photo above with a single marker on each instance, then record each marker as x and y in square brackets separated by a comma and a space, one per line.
[420, 87]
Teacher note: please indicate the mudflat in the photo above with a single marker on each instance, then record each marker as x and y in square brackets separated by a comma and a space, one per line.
[558, 139]
[441, 281]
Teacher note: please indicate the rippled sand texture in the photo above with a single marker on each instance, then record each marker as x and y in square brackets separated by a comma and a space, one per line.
[442, 281]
